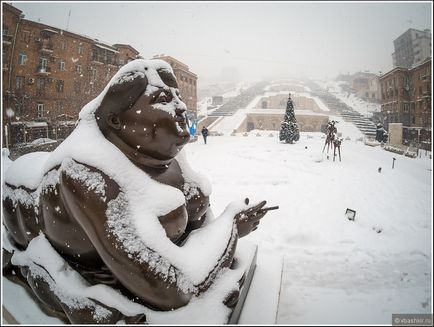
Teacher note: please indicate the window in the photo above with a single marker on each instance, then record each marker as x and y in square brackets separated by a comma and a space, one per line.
[94, 74]
[108, 74]
[19, 82]
[80, 49]
[62, 65]
[40, 84]
[43, 62]
[63, 45]
[40, 110]
[59, 86]
[5, 58]
[22, 59]
[25, 36]
[77, 87]
[94, 55]
[5, 30]
[78, 68]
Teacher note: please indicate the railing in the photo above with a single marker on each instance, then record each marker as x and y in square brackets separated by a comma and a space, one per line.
[417, 137]
[7, 38]
[101, 60]
[46, 47]
[43, 70]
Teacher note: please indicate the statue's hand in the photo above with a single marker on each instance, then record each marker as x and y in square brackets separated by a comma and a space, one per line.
[248, 220]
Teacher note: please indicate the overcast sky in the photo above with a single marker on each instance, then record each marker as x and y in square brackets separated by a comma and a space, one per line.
[258, 39]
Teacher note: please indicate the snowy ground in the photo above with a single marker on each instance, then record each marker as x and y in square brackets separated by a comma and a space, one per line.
[336, 271]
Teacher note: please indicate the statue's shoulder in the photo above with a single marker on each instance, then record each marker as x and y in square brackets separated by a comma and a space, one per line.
[27, 171]
[86, 179]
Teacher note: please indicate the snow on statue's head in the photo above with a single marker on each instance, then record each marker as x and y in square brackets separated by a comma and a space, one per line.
[141, 112]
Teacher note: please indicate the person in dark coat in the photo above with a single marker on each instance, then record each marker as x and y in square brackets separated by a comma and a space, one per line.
[204, 133]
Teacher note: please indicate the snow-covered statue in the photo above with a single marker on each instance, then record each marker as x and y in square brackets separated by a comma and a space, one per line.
[330, 132]
[114, 225]
[381, 134]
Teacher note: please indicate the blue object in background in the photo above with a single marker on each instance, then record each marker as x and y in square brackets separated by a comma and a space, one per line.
[193, 128]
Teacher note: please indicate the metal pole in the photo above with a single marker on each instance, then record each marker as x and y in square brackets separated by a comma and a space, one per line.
[7, 136]
[69, 16]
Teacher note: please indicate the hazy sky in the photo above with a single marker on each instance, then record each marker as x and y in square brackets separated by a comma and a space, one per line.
[259, 39]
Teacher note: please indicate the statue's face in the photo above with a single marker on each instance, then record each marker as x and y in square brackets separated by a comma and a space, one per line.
[156, 124]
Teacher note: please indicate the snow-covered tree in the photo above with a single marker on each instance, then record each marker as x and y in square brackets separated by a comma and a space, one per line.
[289, 131]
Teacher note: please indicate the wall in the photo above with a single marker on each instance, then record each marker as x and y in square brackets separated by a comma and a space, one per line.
[264, 121]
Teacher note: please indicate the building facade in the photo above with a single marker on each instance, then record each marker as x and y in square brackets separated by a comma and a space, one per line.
[365, 86]
[187, 83]
[280, 100]
[271, 120]
[406, 96]
[49, 74]
[412, 48]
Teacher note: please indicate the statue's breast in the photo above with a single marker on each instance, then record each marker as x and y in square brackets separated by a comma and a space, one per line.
[175, 221]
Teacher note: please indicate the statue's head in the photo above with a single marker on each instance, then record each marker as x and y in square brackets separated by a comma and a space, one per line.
[142, 112]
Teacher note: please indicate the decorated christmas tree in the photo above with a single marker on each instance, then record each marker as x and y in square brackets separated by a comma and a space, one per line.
[289, 131]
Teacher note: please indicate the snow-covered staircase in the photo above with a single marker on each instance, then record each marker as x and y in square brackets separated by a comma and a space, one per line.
[240, 101]
[364, 124]
[228, 124]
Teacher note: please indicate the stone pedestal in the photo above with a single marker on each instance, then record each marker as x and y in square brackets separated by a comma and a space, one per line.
[258, 302]
[395, 134]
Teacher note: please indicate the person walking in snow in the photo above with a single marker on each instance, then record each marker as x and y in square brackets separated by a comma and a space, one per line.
[204, 133]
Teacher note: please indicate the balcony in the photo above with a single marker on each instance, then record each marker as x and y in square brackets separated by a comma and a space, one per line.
[96, 61]
[426, 94]
[43, 70]
[46, 47]
[7, 39]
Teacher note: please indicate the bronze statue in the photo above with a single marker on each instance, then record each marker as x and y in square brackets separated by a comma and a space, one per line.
[120, 205]
[331, 131]
[337, 145]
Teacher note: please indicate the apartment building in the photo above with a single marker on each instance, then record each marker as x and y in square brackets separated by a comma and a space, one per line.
[406, 96]
[412, 48]
[187, 82]
[365, 86]
[49, 74]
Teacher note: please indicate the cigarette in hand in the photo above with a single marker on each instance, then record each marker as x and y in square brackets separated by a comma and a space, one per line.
[270, 208]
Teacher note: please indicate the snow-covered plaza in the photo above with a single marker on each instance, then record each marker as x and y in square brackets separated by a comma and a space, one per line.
[336, 271]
